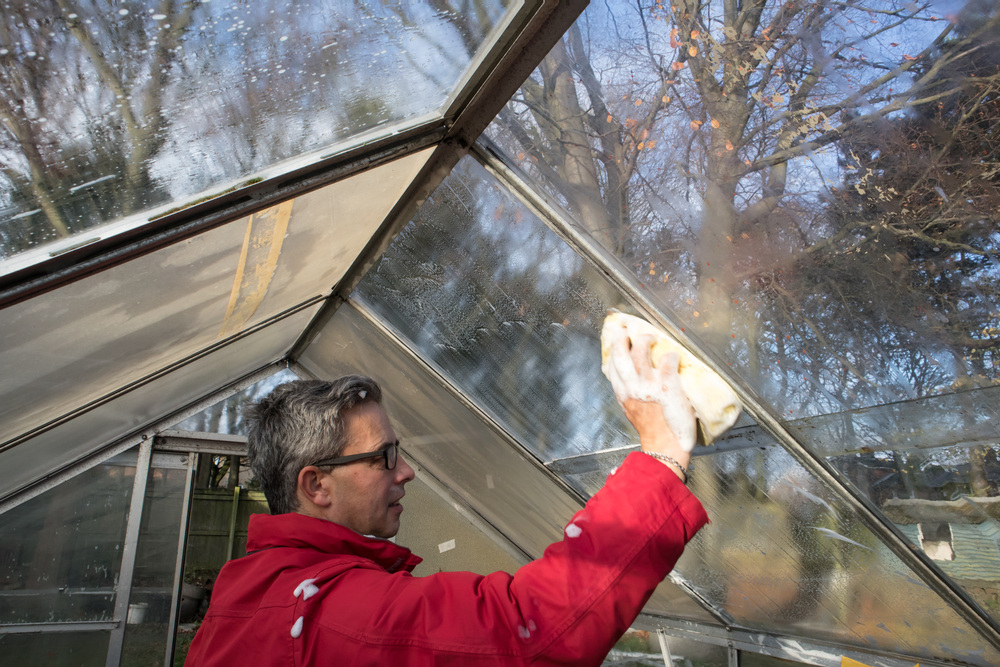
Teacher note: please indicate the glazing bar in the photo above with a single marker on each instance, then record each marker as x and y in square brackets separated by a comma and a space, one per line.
[175, 600]
[619, 275]
[75, 626]
[124, 592]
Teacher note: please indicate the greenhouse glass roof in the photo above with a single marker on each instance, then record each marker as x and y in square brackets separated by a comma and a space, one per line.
[202, 198]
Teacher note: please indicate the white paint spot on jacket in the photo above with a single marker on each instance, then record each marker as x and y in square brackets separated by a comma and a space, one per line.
[524, 632]
[307, 589]
[573, 530]
[297, 628]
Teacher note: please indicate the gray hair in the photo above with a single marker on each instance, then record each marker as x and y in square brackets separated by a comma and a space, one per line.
[299, 423]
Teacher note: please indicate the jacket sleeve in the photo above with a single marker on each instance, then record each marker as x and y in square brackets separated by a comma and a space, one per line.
[568, 607]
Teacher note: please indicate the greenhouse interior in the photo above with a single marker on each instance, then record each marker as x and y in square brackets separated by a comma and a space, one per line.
[449, 197]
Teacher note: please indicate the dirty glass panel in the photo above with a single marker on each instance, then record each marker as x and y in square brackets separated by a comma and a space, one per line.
[60, 552]
[153, 579]
[127, 111]
[73, 440]
[782, 554]
[484, 289]
[813, 196]
[57, 649]
[158, 309]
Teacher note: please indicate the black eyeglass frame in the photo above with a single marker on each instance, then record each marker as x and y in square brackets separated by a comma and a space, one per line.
[341, 460]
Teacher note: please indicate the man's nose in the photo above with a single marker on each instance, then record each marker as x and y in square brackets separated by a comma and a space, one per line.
[404, 473]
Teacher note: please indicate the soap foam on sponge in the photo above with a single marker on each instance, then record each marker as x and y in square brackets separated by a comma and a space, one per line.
[715, 404]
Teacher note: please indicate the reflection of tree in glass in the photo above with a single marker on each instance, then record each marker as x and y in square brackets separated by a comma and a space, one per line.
[507, 309]
[111, 109]
[698, 142]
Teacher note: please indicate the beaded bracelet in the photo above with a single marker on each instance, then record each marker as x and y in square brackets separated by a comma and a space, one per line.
[670, 460]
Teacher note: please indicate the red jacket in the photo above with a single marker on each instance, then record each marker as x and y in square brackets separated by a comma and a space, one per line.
[312, 592]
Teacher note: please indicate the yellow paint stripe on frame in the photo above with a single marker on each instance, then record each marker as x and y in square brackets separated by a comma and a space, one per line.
[258, 261]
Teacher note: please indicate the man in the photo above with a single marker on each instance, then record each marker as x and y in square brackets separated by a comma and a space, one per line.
[321, 586]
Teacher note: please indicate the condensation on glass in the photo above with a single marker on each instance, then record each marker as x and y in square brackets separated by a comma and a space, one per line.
[143, 315]
[62, 550]
[143, 405]
[508, 310]
[813, 196]
[128, 112]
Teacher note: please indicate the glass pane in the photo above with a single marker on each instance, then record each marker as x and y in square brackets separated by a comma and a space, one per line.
[58, 649]
[689, 653]
[508, 310]
[83, 435]
[156, 558]
[127, 112]
[812, 197]
[60, 552]
[227, 416]
[165, 306]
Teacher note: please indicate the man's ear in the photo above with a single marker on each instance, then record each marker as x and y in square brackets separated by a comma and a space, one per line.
[310, 486]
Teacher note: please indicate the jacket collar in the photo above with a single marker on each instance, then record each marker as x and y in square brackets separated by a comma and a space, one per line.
[305, 532]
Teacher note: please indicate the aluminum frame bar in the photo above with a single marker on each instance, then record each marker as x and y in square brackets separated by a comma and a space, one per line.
[71, 626]
[201, 443]
[175, 599]
[360, 305]
[129, 551]
[115, 447]
[611, 267]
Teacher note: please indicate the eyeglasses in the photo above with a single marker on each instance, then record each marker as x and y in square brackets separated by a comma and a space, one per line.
[389, 453]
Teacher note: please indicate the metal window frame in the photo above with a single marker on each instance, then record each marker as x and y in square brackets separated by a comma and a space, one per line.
[175, 598]
[588, 248]
[68, 626]
[123, 593]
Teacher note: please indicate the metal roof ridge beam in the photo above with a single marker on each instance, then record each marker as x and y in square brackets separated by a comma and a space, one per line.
[872, 517]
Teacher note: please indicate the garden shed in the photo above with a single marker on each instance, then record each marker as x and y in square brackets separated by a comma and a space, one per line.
[202, 199]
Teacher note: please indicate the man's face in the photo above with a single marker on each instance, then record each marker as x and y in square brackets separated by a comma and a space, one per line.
[365, 495]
